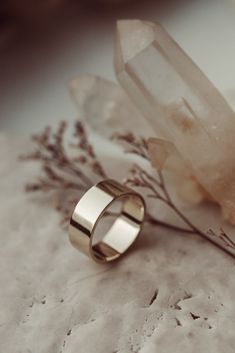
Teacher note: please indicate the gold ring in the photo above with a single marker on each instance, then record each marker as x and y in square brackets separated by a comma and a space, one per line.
[93, 207]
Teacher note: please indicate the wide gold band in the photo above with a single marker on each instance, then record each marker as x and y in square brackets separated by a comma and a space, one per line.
[94, 205]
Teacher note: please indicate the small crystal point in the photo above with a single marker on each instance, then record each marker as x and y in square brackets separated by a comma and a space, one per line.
[181, 104]
[105, 106]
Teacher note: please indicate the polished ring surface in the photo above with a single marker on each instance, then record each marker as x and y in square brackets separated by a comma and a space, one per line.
[92, 207]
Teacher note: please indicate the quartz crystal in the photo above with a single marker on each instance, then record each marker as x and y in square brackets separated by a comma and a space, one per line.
[105, 107]
[183, 107]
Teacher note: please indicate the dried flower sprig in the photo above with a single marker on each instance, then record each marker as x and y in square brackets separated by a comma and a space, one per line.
[63, 175]
[66, 177]
[156, 188]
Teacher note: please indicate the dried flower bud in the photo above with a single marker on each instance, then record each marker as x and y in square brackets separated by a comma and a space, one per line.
[82, 159]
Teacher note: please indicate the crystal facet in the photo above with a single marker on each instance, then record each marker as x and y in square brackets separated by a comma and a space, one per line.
[181, 104]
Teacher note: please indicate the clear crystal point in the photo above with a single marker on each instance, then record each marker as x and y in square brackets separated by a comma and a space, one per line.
[105, 106]
[181, 105]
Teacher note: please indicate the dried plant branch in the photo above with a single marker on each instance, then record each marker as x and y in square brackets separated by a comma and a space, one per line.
[135, 145]
[66, 168]
[66, 176]
[156, 188]
[224, 237]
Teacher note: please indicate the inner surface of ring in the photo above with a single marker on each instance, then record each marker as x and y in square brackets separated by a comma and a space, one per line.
[122, 232]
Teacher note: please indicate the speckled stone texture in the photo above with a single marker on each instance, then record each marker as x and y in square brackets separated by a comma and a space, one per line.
[172, 293]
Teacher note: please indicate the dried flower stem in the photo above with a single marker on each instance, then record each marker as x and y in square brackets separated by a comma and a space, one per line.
[66, 176]
[157, 189]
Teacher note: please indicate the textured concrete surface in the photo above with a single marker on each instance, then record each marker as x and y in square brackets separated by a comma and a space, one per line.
[171, 293]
